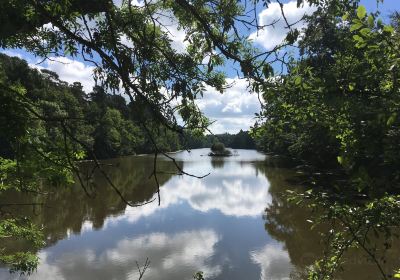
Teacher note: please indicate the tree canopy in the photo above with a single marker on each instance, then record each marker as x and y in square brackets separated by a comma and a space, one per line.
[335, 105]
[336, 112]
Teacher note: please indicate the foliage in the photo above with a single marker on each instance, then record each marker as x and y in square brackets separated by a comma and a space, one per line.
[135, 55]
[22, 229]
[337, 109]
[199, 276]
[352, 225]
[337, 105]
[46, 125]
[241, 140]
[218, 147]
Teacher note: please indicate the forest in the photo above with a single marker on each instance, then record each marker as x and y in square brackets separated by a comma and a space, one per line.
[329, 98]
[105, 120]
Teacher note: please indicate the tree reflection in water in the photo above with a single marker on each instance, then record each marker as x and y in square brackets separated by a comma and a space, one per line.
[291, 224]
[212, 224]
[68, 210]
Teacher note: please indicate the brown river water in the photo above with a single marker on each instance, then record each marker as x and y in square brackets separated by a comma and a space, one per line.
[232, 224]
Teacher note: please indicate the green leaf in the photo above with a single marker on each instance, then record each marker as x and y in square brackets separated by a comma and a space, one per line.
[358, 38]
[292, 36]
[388, 28]
[80, 155]
[391, 119]
[268, 71]
[356, 26]
[340, 159]
[361, 12]
[297, 81]
[371, 20]
[361, 45]
[365, 31]
[345, 16]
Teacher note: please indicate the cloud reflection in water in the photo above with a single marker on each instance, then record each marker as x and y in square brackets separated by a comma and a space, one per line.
[175, 256]
[234, 191]
[274, 262]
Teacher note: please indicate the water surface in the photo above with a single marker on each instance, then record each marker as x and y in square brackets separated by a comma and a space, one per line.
[232, 224]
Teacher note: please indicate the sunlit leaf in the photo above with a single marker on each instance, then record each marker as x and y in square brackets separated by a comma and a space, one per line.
[361, 12]
[356, 26]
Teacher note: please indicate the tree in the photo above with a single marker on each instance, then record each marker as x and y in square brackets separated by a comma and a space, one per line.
[218, 149]
[336, 105]
[336, 108]
[130, 47]
[50, 124]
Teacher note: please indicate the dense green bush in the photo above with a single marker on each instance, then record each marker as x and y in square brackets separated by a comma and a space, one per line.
[218, 147]
[337, 106]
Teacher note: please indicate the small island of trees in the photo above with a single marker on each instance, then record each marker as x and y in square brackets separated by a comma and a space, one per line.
[218, 150]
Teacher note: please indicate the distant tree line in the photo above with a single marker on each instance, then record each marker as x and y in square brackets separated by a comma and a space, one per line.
[104, 121]
[241, 140]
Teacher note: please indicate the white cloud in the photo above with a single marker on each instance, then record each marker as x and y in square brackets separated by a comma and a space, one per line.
[138, 3]
[167, 22]
[11, 53]
[232, 124]
[271, 36]
[274, 262]
[70, 71]
[50, 26]
[189, 251]
[233, 194]
[233, 110]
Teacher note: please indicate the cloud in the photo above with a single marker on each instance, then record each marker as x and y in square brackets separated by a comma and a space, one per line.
[138, 3]
[188, 250]
[271, 36]
[233, 110]
[168, 23]
[70, 71]
[274, 262]
[11, 53]
[232, 125]
[177, 35]
[238, 195]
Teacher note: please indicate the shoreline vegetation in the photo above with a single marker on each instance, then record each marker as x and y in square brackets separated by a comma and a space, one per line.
[336, 112]
[218, 150]
[334, 105]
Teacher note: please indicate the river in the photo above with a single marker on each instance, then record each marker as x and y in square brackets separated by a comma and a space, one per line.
[232, 224]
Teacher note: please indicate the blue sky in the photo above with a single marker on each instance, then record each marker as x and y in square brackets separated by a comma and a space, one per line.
[235, 109]
[386, 8]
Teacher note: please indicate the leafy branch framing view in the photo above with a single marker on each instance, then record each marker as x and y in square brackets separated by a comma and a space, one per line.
[332, 106]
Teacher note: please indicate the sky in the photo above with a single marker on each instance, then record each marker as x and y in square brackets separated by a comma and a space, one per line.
[235, 109]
